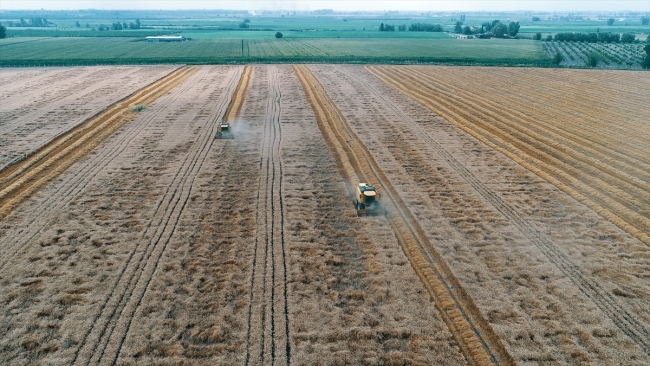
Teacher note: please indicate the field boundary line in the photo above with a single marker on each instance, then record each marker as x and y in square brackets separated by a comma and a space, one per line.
[26, 177]
[475, 337]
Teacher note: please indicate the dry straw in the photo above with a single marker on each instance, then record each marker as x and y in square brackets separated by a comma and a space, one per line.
[612, 187]
[26, 177]
[477, 340]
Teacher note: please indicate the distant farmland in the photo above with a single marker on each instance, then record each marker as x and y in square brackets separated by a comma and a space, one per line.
[89, 51]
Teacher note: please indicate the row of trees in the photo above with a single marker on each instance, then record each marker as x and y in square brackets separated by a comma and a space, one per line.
[495, 27]
[424, 27]
[117, 26]
[32, 22]
[646, 60]
[387, 28]
[605, 37]
[645, 20]
[415, 27]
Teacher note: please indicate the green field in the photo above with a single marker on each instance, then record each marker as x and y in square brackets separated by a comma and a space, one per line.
[69, 51]
[216, 37]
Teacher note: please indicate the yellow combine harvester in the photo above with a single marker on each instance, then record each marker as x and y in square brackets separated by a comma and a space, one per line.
[367, 201]
[224, 131]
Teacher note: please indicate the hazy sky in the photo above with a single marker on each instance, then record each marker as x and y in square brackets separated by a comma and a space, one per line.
[431, 5]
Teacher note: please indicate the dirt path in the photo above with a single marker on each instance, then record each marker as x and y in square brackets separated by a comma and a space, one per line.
[268, 326]
[472, 332]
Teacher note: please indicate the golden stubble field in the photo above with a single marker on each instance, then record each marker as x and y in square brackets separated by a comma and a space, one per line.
[515, 231]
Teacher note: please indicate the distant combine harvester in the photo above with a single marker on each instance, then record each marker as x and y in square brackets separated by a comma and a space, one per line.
[166, 39]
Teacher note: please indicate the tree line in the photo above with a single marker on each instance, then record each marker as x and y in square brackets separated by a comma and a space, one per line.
[118, 26]
[604, 37]
[425, 27]
[32, 22]
[414, 27]
[496, 28]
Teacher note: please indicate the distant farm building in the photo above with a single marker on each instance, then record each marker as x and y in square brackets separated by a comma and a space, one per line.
[166, 39]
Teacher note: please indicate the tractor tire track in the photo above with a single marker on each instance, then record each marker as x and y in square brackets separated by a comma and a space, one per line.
[102, 344]
[602, 298]
[12, 243]
[267, 336]
[473, 334]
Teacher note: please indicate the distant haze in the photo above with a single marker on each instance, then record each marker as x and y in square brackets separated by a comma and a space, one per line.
[337, 5]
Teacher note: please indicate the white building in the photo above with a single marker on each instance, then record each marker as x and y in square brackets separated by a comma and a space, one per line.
[166, 39]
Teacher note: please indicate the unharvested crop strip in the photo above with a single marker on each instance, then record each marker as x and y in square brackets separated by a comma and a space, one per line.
[24, 178]
[475, 337]
[556, 137]
[596, 127]
[562, 175]
[586, 284]
[234, 109]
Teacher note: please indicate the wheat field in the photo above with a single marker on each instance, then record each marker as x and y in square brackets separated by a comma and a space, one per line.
[516, 230]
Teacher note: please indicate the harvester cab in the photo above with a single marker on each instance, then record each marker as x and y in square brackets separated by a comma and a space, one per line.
[367, 201]
[224, 131]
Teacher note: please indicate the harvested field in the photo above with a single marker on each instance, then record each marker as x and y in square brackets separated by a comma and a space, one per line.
[472, 333]
[24, 177]
[548, 273]
[39, 104]
[158, 244]
[595, 150]
[151, 249]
